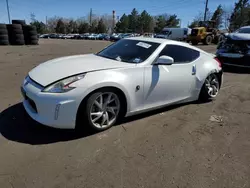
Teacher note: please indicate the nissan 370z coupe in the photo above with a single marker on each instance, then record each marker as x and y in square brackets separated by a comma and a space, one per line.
[128, 77]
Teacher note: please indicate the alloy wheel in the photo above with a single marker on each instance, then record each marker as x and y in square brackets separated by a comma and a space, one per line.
[104, 110]
[212, 85]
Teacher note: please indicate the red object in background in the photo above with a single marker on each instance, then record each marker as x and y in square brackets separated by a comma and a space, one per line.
[218, 61]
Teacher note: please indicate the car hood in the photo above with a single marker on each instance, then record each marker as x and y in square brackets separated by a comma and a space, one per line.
[239, 36]
[59, 68]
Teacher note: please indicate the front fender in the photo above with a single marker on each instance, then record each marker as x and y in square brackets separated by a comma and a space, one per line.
[109, 84]
[124, 79]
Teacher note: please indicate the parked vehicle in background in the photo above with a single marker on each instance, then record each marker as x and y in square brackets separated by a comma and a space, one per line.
[53, 36]
[61, 36]
[235, 49]
[83, 36]
[150, 35]
[92, 36]
[44, 36]
[131, 76]
[126, 35]
[160, 36]
[115, 37]
[179, 34]
[69, 36]
[104, 37]
[75, 36]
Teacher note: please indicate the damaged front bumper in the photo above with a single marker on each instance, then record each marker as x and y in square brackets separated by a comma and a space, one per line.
[236, 54]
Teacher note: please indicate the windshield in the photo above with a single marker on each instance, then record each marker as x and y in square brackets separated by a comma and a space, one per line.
[129, 51]
[244, 30]
[166, 32]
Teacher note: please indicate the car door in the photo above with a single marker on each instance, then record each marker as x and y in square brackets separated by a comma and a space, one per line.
[165, 84]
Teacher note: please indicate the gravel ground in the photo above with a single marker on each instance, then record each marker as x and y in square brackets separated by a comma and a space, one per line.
[193, 145]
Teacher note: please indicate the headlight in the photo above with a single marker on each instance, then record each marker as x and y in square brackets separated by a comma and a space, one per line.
[64, 85]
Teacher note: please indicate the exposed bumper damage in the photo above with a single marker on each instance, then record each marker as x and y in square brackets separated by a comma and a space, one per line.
[234, 52]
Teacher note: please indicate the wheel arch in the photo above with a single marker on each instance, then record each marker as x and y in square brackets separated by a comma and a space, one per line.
[123, 95]
[217, 73]
[213, 71]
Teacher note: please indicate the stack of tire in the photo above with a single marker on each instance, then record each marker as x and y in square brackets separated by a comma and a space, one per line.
[18, 33]
[4, 37]
[30, 35]
[16, 36]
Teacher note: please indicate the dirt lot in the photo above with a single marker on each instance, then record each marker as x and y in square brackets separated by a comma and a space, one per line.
[174, 147]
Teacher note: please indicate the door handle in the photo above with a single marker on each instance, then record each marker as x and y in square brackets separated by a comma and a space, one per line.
[193, 69]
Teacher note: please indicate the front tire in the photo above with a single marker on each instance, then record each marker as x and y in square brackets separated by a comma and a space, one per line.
[210, 88]
[102, 109]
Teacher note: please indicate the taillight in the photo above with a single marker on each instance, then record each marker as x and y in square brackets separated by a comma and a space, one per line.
[218, 61]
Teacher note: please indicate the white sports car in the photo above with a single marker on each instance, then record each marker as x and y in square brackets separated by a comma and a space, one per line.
[130, 76]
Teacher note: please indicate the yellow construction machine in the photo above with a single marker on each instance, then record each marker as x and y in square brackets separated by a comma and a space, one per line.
[206, 33]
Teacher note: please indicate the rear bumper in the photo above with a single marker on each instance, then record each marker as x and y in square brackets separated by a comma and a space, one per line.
[236, 65]
[234, 59]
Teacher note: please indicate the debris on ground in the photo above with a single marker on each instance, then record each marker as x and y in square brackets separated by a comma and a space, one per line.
[216, 118]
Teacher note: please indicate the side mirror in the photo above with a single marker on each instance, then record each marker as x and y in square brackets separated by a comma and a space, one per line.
[164, 60]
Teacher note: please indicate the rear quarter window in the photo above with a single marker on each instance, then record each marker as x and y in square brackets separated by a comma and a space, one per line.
[180, 54]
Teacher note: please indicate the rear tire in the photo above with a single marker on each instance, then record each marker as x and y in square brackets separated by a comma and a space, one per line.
[208, 40]
[210, 88]
[220, 38]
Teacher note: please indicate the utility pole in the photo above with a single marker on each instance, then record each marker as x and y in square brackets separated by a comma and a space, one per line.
[7, 3]
[205, 14]
[113, 21]
[46, 23]
[90, 17]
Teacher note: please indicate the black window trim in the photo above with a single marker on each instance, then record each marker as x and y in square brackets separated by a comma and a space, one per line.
[179, 46]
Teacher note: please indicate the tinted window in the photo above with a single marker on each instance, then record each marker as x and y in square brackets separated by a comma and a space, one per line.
[180, 54]
[129, 51]
[194, 32]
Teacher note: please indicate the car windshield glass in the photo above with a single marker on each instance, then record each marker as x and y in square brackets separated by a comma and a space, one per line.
[244, 30]
[129, 51]
[165, 32]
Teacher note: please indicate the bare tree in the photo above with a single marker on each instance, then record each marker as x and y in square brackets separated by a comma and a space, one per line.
[200, 16]
[32, 17]
[227, 12]
[108, 20]
[52, 23]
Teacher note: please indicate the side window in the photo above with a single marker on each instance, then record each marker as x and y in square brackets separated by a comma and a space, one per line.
[180, 54]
